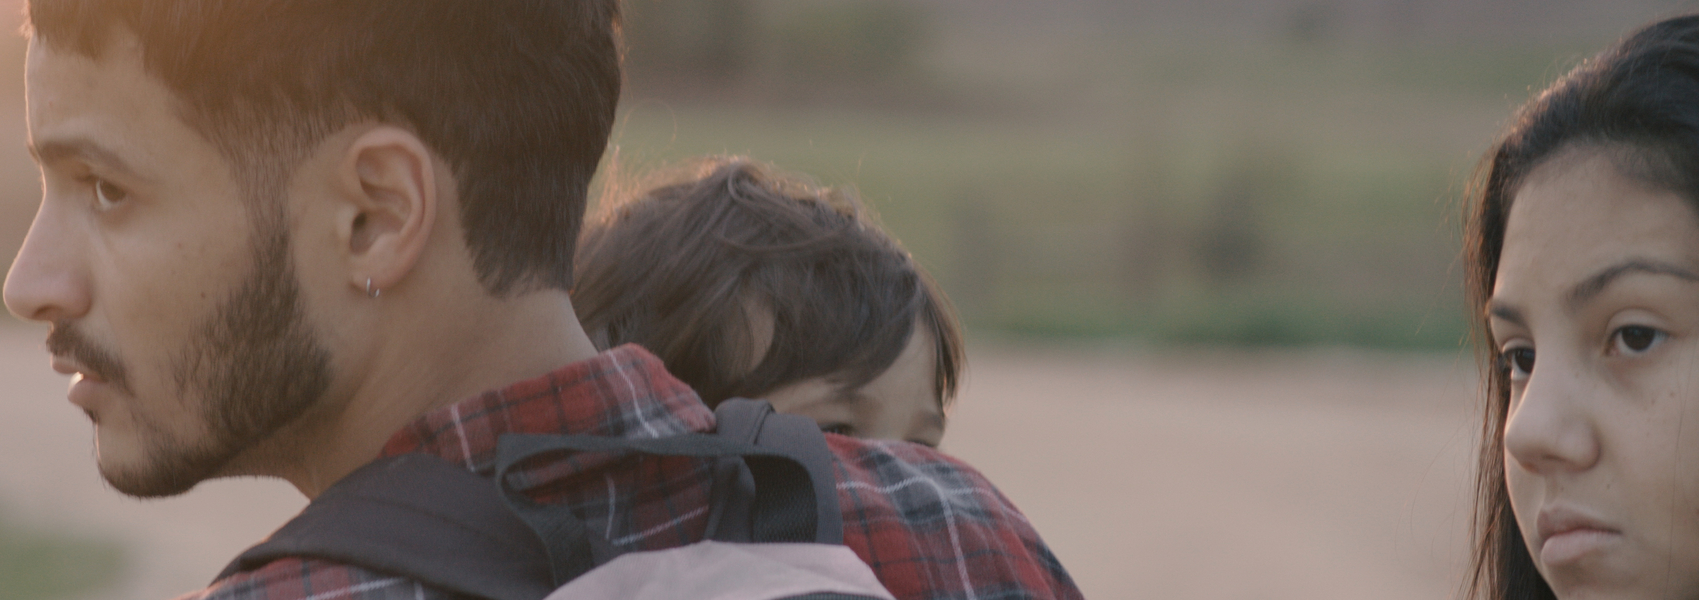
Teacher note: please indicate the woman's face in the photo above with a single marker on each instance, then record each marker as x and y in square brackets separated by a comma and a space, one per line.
[1596, 312]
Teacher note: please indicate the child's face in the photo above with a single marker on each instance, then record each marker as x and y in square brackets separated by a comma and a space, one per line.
[900, 404]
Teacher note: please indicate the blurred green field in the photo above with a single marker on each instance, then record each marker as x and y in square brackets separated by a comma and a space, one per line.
[37, 565]
[1164, 190]
[1070, 177]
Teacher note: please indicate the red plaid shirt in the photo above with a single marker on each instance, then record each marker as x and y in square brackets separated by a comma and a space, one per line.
[930, 526]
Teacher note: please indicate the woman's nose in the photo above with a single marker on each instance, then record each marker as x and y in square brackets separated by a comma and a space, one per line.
[1550, 429]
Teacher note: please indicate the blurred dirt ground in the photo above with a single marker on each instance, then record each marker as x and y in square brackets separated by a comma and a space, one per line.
[1320, 475]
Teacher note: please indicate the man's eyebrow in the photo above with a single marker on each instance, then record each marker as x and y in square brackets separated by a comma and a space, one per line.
[1592, 286]
[78, 148]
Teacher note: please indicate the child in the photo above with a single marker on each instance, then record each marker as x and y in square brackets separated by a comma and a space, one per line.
[748, 283]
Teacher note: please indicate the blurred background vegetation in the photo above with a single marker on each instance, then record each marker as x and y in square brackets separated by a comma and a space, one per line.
[36, 565]
[1239, 172]
[1259, 172]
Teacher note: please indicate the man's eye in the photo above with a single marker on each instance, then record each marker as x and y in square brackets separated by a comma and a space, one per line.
[108, 194]
[1635, 339]
[1518, 362]
[838, 428]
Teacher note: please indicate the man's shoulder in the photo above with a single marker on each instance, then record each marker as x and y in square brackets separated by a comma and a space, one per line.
[929, 525]
[933, 527]
[313, 579]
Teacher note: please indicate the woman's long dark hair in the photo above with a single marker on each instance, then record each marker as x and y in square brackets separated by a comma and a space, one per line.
[1638, 103]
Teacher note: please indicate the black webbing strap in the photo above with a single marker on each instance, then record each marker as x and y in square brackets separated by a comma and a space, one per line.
[779, 518]
[795, 496]
[418, 516]
[800, 437]
[731, 500]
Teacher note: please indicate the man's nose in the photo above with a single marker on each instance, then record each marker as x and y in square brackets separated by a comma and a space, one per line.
[1551, 428]
[48, 281]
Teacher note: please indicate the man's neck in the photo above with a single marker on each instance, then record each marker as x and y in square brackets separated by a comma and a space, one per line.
[426, 366]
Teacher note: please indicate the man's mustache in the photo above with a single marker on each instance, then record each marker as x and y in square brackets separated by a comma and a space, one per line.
[66, 340]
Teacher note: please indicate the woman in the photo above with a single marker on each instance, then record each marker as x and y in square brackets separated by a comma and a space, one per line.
[1583, 248]
[746, 282]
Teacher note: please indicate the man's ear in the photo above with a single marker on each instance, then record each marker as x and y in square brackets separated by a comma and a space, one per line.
[390, 179]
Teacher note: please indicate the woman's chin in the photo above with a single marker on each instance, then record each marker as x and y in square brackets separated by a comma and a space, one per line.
[1605, 571]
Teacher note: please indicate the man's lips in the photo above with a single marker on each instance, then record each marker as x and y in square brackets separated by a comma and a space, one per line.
[64, 365]
[87, 388]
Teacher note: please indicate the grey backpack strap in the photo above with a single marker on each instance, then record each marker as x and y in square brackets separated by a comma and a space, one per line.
[418, 516]
[732, 499]
[795, 488]
[800, 438]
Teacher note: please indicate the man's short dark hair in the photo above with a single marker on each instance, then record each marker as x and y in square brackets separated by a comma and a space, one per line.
[684, 269]
[517, 96]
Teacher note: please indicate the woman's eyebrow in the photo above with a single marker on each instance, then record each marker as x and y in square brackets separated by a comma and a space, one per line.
[1590, 287]
[1504, 312]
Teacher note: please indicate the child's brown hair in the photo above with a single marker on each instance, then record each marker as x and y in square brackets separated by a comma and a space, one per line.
[698, 269]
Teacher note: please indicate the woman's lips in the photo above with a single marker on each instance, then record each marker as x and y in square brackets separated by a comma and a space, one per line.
[1569, 535]
[1571, 546]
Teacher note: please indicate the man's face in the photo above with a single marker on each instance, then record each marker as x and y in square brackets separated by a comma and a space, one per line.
[171, 295]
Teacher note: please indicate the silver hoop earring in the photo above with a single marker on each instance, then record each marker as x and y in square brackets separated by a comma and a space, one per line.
[370, 291]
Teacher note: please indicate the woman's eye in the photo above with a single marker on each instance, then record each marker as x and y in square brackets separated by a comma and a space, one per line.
[1635, 339]
[838, 428]
[1519, 362]
[108, 194]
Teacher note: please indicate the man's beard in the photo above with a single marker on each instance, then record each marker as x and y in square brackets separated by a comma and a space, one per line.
[253, 368]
